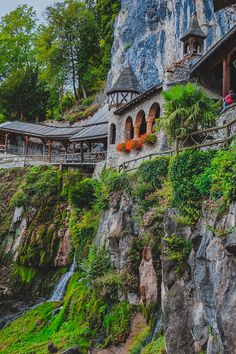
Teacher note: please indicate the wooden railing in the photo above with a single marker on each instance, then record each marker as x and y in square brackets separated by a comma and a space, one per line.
[86, 158]
[132, 165]
[216, 137]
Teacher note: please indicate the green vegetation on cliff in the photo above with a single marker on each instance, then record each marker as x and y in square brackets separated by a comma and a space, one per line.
[93, 313]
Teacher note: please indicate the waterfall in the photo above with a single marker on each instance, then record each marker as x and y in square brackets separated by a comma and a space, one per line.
[60, 289]
[158, 325]
[57, 295]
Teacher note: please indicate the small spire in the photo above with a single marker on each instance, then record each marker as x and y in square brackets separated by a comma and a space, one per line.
[194, 29]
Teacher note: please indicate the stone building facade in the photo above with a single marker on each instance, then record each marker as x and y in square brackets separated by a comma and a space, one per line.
[134, 112]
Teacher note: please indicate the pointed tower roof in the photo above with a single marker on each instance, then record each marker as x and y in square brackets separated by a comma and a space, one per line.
[127, 82]
[194, 30]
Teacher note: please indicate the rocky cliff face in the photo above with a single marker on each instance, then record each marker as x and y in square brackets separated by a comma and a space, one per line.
[147, 34]
[198, 301]
[200, 306]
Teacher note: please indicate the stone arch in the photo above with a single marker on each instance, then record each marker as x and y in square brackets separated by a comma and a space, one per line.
[154, 113]
[112, 139]
[129, 128]
[140, 125]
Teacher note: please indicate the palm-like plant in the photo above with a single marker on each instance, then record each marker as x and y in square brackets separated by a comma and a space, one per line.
[187, 109]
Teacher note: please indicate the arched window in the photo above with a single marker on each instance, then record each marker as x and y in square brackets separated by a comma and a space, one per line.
[112, 134]
[140, 125]
[129, 129]
[154, 113]
[186, 48]
[197, 47]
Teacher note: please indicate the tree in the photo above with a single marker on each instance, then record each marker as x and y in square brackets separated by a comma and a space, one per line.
[69, 43]
[107, 11]
[187, 109]
[17, 32]
[23, 95]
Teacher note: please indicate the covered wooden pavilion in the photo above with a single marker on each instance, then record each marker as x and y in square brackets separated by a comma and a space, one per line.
[91, 132]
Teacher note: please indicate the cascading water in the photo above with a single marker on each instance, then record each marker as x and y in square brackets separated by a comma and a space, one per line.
[57, 295]
[158, 325]
[60, 289]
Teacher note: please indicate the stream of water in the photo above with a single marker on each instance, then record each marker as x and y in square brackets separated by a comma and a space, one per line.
[60, 289]
[58, 295]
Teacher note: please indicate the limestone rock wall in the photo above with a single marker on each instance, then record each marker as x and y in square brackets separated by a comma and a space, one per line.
[147, 34]
[199, 305]
[198, 301]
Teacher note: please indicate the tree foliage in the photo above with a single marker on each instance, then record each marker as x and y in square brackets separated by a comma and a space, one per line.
[187, 109]
[41, 65]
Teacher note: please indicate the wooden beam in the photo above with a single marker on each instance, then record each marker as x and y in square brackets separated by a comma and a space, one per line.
[26, 145]
[49, 150]
[226, 77]
[82, 151]
[6, 141]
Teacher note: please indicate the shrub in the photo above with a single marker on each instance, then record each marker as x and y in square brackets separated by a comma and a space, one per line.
[117, 323]
[142, 193]
[97, 263]
[40, 184]
[107, 285]
[178, 250]
[83, 231]
[157, 346]
[183, 171]
[149, 139]
[82, 195]
[110, 181]
[219, 179]
[154, 171]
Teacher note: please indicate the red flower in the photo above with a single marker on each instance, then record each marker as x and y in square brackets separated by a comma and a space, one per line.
[137, 144]
[128, 145]
[121, 147]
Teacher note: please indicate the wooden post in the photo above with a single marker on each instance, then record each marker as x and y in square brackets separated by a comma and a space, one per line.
[6, 142]
[82, 151]
[49, 150]
[226, 77]
[26, 145]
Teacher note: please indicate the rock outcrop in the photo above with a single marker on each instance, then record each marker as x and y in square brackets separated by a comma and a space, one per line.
[199, 304]
[148, 278]
[147, 35]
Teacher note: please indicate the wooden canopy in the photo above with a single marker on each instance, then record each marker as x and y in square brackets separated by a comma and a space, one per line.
[216, 69]
[220, 4]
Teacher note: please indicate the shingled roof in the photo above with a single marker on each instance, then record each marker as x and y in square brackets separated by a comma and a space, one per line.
[194, 30]
[127, 82]
[95, 127]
